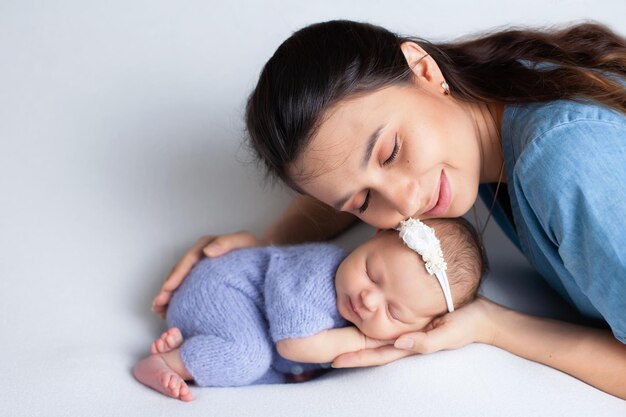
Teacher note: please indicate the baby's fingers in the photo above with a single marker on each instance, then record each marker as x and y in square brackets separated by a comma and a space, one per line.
[371, 343]
[370, 357]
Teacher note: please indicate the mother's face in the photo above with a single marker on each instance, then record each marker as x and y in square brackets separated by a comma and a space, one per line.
[398, 152]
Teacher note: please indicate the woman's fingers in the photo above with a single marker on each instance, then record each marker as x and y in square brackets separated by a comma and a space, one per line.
[370, 357]
[466, 325]
[210, 246]
[426, 342]
[178, 274]
[182, 268]
[161, 300]
[223, 244]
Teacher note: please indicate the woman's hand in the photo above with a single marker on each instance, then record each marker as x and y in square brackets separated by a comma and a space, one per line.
[211, 246]
[471, 323]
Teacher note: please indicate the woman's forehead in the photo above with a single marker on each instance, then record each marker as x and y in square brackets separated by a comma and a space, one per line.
[360, 114]
[346, 136]
[351, 122]
[327, 162]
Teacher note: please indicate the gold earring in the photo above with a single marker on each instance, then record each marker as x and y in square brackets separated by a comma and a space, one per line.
[446, 88]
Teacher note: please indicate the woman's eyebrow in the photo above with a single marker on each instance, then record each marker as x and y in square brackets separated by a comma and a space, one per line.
[371, 143]
[339, 204]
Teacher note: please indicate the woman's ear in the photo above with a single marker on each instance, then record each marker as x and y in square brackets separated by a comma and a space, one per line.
[423, 65]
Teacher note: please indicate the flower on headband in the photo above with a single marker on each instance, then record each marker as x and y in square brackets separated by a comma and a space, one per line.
[421, 238]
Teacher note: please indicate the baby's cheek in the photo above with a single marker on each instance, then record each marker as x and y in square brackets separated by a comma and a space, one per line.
[381, 331]
[343, 313]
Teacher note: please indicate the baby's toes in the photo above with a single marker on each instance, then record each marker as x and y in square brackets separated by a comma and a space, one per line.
[185, 393]
[162, 342]
[162, 345]
[174, 386]
[175, 331]
[165, 380]
[174, 338]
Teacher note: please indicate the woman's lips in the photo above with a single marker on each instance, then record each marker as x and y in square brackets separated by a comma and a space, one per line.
[444, 198]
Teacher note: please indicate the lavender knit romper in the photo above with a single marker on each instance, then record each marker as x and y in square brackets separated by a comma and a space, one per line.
[232, 310]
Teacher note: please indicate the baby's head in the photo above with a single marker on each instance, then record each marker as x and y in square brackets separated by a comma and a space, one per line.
[384, 289]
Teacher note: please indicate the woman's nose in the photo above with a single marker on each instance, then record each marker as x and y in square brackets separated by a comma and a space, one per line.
[371, 299]
[402, 195]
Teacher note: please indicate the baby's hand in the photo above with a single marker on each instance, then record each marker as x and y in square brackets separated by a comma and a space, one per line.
[355, 340]
[372, 352]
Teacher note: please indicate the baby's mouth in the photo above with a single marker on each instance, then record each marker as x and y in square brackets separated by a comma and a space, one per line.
[354, 309]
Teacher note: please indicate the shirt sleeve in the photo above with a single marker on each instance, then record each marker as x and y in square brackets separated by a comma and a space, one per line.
[576, 187]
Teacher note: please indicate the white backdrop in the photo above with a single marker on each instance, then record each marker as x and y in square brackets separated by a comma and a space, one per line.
[121, 143]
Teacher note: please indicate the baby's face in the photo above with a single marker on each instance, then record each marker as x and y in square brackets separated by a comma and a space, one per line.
[384, 289]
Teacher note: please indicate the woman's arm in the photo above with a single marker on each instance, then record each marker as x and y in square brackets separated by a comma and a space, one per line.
[325, 346]
[592, 355]
[307, 220]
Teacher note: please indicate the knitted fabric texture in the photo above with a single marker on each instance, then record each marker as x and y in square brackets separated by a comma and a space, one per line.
[232, 310]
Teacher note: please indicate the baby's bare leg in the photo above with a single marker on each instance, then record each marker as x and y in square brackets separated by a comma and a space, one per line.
[169, 340]
[166, 373]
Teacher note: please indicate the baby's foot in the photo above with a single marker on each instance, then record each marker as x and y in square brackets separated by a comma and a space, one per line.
[154, 372]
[169, 340]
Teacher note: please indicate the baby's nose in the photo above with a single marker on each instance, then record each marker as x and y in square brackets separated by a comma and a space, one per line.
[371, 299]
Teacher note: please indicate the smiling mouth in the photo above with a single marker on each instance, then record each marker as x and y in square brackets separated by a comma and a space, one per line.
[443, 198]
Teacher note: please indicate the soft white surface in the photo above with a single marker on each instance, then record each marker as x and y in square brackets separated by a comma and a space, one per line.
[120, 132]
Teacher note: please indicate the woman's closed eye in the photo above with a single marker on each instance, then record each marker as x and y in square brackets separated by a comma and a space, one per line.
[389, 160]
[394, 152]
[365, 203]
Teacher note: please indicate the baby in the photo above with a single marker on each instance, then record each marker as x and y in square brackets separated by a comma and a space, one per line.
[257, 315]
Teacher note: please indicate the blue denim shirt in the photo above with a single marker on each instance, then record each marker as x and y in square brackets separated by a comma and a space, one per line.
[566, 168]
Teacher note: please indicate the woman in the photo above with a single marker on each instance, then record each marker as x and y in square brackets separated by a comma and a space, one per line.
[366, 124]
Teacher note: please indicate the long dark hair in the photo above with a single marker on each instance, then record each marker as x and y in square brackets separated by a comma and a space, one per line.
[327, 62]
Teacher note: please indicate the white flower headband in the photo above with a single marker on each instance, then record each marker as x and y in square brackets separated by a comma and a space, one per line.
[421, 238]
